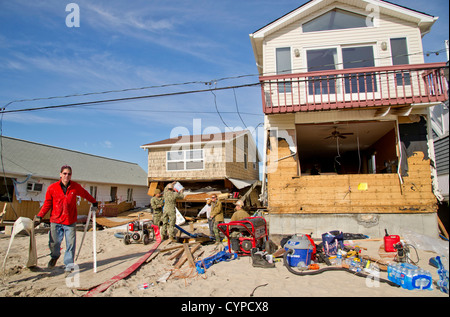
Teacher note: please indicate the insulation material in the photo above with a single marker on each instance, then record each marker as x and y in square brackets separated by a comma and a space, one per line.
[23, 223]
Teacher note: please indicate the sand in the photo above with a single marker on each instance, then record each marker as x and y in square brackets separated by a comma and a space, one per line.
[233, 279]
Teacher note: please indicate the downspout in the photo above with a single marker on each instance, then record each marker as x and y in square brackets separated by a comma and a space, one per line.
[399, 165]
[263, 196]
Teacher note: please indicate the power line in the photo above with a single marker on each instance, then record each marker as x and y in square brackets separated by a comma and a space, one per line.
[237, 108]
[88, 103]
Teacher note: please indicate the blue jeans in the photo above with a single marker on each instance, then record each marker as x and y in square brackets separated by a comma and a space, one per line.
[56, 234]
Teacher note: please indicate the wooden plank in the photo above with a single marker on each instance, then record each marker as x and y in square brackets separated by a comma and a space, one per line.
[152, 188]
[442, 227]
[188, 255]
[154, 254]
[176, 254]
[183, 259]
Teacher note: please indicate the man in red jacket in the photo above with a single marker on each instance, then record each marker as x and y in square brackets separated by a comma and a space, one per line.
[61, 199]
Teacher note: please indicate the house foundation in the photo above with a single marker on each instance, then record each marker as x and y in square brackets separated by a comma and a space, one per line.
[372, 225]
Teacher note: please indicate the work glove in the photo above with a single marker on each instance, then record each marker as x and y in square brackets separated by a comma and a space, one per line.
[36, 221]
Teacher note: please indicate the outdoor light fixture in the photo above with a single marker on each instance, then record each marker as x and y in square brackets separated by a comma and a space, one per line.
[297, 52]
[383, 45]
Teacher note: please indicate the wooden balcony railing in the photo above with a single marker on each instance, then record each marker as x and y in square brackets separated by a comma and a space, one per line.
[355, 88]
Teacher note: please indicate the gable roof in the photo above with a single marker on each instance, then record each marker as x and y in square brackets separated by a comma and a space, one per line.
[199, 139]
[424, 21]
[196, 139]
[22, 157]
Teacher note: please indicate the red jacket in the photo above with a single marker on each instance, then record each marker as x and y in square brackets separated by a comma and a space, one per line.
[64, 207]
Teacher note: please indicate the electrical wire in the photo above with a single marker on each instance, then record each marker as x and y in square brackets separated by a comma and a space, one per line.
[237, 108]
[217, 109]
[88, 103]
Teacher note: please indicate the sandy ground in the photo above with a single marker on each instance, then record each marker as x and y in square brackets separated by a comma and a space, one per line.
[235, 279]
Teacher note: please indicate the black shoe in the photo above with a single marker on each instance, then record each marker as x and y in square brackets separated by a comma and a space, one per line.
[52, 263]
[259, 261]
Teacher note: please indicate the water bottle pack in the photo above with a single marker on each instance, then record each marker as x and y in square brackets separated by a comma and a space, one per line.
[409, 276]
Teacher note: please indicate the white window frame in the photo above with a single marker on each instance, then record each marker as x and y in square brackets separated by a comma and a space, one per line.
[185, 160]
[340, 66]
[93, 191]
[373, 14]
[129, 194]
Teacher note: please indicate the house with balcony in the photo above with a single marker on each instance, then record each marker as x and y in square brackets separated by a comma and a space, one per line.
[345, 93]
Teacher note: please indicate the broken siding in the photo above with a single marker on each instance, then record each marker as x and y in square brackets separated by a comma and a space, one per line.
[235, 165]
[289, 193]
[441, 154]
[389, 27]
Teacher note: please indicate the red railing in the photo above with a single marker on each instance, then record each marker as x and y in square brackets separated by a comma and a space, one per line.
[355, 88]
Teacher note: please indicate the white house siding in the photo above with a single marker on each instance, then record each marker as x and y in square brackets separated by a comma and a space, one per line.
[103, 191]
[388, 27]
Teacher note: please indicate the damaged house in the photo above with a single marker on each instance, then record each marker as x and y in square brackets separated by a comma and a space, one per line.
[345, 93]
[226, 164]
[28, 168]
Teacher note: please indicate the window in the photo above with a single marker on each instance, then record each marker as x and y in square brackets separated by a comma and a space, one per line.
[113, 194]
[321, 59]
[283, 56]
[329, 59]
[399, 52]
[337, 19]
[354, 57]
[185, 160]
[93, 191]
[129, 194]
[7, 189]
[245, 151]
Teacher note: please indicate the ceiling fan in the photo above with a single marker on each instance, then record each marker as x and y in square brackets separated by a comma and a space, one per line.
[336, 134]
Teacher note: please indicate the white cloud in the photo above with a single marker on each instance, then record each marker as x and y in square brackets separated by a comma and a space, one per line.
[107, 144]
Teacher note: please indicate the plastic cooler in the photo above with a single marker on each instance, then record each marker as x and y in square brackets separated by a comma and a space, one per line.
[302, 250]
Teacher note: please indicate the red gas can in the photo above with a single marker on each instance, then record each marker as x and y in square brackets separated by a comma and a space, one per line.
[390, 241]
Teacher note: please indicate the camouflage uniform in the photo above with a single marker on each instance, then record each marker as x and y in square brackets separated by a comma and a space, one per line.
[157, 204]
[169, 215]
[239, 215]
[217, 216]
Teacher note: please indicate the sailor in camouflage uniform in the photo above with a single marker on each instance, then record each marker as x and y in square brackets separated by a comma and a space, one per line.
[157, 203]
[169, 215]
[216, 215]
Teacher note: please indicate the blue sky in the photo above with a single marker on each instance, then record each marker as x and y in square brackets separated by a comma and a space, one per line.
[132, 44]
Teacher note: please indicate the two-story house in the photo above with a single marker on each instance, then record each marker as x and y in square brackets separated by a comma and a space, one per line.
[345, 93]
[226, 162]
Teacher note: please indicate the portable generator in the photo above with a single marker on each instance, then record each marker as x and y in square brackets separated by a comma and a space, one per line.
[139, 232]
[245, 235]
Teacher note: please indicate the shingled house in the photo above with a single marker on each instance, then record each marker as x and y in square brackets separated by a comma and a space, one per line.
[226, 162]
[345, 93]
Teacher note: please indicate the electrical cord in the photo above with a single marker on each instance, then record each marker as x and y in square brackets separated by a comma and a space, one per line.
[326, 269]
